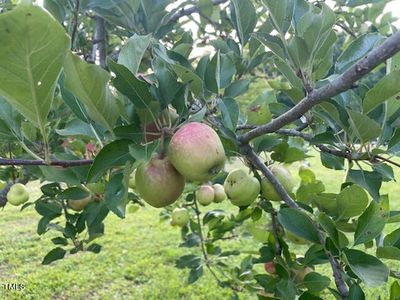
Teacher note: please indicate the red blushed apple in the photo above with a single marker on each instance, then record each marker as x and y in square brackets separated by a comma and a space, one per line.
[270, 267]
[196, 151]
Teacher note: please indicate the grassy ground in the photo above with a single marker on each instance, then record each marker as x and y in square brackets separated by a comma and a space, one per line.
[137, 260]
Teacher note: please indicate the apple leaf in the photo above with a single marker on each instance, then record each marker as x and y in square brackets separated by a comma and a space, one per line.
[298, 223]
[33, 49]
[55, 254]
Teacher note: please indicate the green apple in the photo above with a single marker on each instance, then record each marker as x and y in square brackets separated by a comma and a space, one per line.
[158, 182]
[219, 193]
[80, 204]
[97, 187]
[241, 188]
[196, 151]
[180, 217]
[3, 184]
[284, 177]
[295, 239]
[205, 194]
[132, 180]
[17, 194]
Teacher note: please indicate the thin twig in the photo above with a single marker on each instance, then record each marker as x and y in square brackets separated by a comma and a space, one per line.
[203, 248]
[59, 163]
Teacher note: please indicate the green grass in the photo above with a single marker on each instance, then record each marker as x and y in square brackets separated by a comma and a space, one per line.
[136, 262]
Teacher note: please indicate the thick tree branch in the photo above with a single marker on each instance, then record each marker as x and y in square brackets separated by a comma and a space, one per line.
[342, 83]
[257, 162]
[191, 10]
[58, 163]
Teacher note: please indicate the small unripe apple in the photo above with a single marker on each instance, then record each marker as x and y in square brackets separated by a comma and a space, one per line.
[196, 151]
[79, 205]
[241, 188]
[3, 184]
[17, 194]
[219, 193]
[180, 217]
[269, 267]
[284, 177]
[205, 194]
[158, 182]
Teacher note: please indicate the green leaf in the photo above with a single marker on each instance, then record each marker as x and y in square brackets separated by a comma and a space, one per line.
[143, 152]
[95, 248]
[370, 224]
[356, 293]
[189, 76]
[331, 161]
[316, 282]
[89, 83]
[371, 181]
[116, 196]
[244, 18]
[112, 155]
[385, 88]
[132, 52]
[55, 254]
[395, 291]
[273, 43]
[388, 252]
[33, 49]
[363, 127]
[299, 223]
[230, 112]
[73, 193]
[188, 261]
[338, 238]
[76, 127]
[351, 202]
[356, 50]
[118, 12]
[60, 241]
[237, 88]
[367, 267]
[195, 274]
[393, 239]
[50, 210]
[281, 13]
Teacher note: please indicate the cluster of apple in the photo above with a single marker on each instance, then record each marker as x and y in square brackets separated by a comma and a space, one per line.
[196, 153]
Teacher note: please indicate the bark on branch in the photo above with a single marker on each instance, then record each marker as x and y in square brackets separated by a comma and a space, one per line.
[342, 83]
